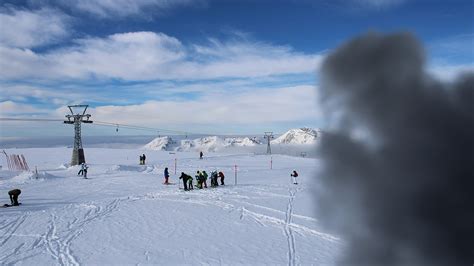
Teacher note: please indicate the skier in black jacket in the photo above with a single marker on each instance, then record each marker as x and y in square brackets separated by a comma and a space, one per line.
[185, 178]
[14, 196]
[167, 175]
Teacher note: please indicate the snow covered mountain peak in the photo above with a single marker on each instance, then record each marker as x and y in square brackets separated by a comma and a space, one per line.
[160, 144]
[298, 136]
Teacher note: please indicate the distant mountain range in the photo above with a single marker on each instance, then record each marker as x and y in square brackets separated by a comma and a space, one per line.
[299, 136]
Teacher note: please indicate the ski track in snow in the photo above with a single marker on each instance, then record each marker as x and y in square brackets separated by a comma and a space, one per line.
[10, 229]
[55, 240]
[216, 199]
[59, 246]
[288, 231]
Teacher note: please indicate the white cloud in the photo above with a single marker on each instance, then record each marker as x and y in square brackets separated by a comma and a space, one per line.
[213, 112]
[26, 29]
[21, 93]
[10, 107]
[287, 104]
[123, 8]
[149, 55]
[450, 72]
[378, 4]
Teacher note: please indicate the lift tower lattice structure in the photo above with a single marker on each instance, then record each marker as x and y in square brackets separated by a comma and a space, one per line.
[77, 118]
[268, 136]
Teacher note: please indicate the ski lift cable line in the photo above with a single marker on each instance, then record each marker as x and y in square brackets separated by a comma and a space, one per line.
[149, 128]
[104, 123]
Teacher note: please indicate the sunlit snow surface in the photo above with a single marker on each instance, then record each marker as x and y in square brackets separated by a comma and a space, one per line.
[123, 214]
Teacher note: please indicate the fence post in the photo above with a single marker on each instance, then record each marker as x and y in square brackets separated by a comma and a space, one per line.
[27, 168]
[175, 163]
[8, 160]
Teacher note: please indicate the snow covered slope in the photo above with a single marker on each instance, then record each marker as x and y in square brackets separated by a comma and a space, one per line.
[124, 215]
[298, 136]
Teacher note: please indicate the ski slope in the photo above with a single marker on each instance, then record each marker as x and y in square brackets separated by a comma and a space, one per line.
[123, 214]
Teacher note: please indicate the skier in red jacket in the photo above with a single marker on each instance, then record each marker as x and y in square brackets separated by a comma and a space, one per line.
[221, 175]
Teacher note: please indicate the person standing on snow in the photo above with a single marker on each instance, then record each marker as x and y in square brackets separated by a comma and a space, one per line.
[214, 182]
[167, 175]
[294, 175]
[190, 183]
[200, 155]
[185, 178]
[199, 179]
[85, 169]
[144, 158]
[81, 172]
[221, 175]
[141, 160]
[205, 176]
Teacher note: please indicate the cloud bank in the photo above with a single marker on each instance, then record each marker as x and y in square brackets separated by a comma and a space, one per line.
[126, 8]
[150, 55]
[27, 29]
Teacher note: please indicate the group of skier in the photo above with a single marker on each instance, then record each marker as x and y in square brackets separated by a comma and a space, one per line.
[142, 159]
[201, 179]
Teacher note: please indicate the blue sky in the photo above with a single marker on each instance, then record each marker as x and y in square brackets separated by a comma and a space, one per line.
[224, 67]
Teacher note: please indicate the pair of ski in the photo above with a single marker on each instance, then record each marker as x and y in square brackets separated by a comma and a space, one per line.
[10, 205]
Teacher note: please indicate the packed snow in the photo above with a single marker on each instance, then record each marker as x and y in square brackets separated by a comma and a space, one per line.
[123, 214]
